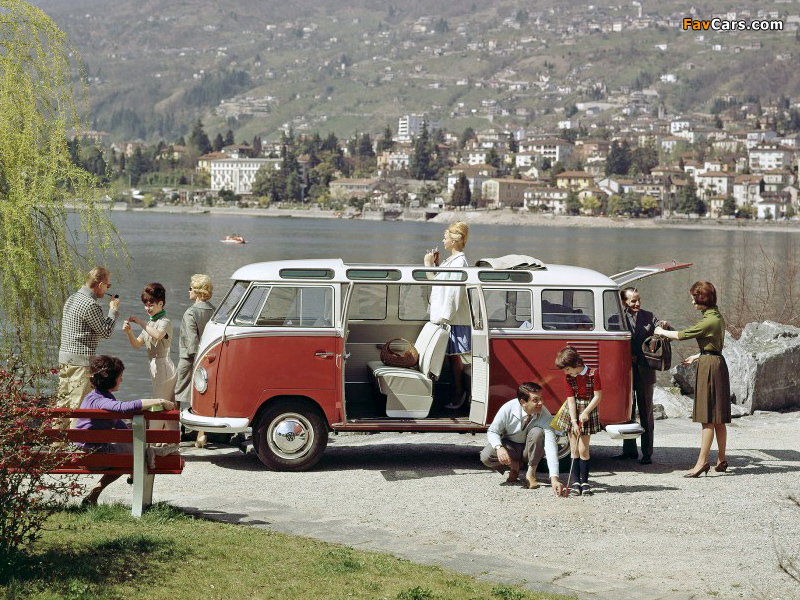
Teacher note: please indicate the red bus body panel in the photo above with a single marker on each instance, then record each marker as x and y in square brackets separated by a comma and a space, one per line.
[533, 359]
[255, 368]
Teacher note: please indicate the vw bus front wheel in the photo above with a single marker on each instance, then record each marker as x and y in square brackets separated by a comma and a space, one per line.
[290, 437]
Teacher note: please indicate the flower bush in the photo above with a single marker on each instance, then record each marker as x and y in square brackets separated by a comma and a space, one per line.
[28, 493]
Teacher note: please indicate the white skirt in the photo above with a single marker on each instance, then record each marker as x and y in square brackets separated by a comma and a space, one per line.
[164, 375]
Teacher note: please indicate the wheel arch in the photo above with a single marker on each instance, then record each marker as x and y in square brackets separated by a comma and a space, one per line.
[290, 399]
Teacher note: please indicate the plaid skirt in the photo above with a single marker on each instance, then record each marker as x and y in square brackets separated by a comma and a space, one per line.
[591, 426]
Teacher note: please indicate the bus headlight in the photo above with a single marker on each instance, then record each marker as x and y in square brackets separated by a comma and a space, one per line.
[200, 379]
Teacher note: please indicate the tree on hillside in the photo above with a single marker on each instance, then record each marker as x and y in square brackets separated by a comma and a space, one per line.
[218, 143]
[467, 135]
[644, 159]
[387, 141]
[688, 201]
[573, 203]
[729, 206]
[198, 140]
[43, 257]
[618, 161]
[256, 146]
[462, 195]
[229, 139]
[420, 162]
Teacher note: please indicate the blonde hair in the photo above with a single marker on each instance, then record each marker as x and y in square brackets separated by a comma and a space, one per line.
[201, 284]
[97, 276]
[459, 233]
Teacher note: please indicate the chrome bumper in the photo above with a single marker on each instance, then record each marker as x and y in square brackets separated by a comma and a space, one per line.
[624, 431]
[214, 424]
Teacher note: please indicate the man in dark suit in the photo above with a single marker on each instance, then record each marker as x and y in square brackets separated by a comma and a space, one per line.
[641, 324]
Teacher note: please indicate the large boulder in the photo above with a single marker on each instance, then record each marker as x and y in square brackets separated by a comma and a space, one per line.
[669, 403]
[764, 367]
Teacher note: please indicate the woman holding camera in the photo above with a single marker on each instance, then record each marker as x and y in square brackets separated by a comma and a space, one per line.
[449, 306]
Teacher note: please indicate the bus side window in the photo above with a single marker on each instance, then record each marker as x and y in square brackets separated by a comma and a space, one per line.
[568, 310]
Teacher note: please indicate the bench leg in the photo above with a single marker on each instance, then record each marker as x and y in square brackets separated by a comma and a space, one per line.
[142, 493]
[142, 480]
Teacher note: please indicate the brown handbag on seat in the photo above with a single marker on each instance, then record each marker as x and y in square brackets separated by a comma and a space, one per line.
[399, 352]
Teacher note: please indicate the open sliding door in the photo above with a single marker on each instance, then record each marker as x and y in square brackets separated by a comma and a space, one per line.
[480, 356]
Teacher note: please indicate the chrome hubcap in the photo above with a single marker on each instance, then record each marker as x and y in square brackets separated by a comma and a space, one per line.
[290, 436]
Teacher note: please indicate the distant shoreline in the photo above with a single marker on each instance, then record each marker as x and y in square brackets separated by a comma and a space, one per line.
[498, 217]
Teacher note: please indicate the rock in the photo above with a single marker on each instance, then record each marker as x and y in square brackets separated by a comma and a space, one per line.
[737, 410]
[658, 412]
[673, 404]
[683, 378]
[764, 366]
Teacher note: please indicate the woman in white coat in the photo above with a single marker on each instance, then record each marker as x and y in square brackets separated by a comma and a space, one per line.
[449, 306]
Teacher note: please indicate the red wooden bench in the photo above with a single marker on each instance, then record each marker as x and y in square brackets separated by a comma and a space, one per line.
[135, 464]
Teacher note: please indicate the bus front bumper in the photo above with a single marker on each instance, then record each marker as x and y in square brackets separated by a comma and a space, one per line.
[214, 424]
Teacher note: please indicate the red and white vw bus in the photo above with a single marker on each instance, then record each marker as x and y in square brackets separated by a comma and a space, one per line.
[293, 351]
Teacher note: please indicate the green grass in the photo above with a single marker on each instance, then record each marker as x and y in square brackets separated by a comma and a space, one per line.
[105, 554]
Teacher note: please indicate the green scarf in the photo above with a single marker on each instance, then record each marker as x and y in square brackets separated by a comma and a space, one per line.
[158, 315]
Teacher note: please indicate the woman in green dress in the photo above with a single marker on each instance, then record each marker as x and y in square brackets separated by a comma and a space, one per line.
[712, 395]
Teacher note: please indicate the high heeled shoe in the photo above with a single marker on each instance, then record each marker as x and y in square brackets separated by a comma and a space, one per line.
[456, 405]
[721, 467]
[201, 440]
[700, 471]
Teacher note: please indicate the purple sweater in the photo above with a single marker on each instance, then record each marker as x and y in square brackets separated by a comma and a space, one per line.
[100, 401]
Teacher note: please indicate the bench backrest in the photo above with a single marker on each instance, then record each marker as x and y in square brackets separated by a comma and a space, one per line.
[80, 462]
[431, 344]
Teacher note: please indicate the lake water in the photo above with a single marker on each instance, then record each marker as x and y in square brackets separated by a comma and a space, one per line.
[169, 248]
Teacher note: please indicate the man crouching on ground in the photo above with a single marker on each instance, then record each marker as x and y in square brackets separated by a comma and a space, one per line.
[521, 433]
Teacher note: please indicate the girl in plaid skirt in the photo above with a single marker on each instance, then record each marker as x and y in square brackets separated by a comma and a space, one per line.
[581, 419]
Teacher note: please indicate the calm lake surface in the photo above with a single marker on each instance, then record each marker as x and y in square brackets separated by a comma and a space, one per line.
[170, 248]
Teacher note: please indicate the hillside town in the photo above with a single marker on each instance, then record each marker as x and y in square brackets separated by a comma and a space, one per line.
[740, 162]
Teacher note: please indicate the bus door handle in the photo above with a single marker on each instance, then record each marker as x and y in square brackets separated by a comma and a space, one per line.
[481, 356]
[322, 354]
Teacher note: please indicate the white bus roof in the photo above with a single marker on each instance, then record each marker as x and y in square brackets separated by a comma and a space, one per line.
[336, 270]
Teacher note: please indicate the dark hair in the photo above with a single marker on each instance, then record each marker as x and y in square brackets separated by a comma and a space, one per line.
[568, 357]
[104, 372]
[154, 292]
[623, 294]
[526, 389]
[704, 293]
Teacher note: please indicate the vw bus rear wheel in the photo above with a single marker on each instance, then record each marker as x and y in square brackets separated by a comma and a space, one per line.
[290, 437]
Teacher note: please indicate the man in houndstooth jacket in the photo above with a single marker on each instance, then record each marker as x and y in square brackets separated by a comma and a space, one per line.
[82, 326]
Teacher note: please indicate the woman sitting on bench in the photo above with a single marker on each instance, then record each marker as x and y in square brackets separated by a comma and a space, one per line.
[105, 375]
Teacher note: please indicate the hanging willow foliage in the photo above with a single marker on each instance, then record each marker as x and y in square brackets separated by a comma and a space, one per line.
[43, 256]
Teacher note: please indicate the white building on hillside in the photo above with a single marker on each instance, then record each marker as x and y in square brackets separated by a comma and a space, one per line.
[410, 126]
[237, 174]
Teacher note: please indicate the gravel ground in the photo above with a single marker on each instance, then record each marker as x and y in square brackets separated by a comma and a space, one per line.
[646, 533]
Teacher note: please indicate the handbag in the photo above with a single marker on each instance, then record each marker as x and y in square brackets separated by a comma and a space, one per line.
[399, 352]
[657, 353]
[557, 416]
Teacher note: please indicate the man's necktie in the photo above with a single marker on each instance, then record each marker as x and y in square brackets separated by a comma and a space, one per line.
[525, 421]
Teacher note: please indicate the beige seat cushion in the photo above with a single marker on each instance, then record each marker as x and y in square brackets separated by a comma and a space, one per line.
[402, 382]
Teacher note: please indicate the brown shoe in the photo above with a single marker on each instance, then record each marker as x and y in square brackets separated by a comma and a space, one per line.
[532, 483]
[513, 476]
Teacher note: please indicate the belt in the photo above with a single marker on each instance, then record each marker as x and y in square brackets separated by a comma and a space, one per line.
[711, 352]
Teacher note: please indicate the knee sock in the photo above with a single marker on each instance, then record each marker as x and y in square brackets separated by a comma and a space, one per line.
[584, 471]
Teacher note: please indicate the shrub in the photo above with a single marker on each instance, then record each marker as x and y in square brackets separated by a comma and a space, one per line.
[28, 494]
